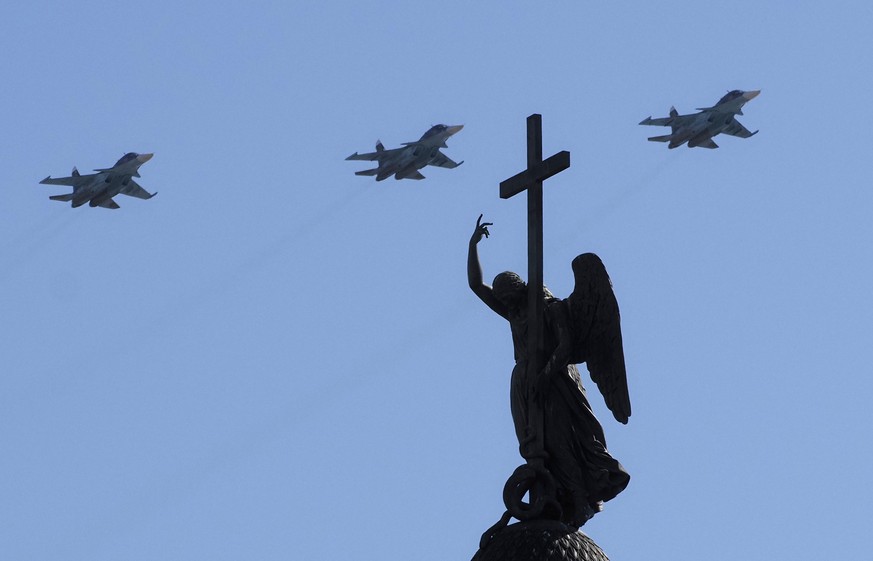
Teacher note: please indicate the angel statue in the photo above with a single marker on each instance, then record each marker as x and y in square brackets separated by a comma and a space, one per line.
[585, 327]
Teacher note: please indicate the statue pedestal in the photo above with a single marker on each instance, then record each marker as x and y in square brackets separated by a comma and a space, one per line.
[540, 540]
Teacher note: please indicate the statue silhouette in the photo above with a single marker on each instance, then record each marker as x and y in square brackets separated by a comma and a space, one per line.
[557, 432]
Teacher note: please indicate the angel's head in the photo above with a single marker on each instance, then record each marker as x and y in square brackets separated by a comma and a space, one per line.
[509, 289]
[589, 270]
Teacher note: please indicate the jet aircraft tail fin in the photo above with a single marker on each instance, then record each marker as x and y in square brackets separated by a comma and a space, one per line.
[373, 171]
[379, 146]
[673, 112]
[65, 198]
[75, 172]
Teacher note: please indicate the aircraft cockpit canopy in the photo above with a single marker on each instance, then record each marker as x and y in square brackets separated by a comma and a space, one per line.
[436, 129]
[730, 96]
[126, 158]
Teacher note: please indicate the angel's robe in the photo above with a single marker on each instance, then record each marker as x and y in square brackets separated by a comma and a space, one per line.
[584, 471]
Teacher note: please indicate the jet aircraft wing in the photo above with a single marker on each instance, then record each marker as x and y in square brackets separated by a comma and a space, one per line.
[737, 129]
[444, 161]
[676, 121]
[661, 121]
[73, 181]
[372, 156]
[133, 189]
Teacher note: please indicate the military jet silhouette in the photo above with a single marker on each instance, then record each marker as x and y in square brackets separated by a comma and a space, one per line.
[698, 129]
[97, 189]
[404, 163]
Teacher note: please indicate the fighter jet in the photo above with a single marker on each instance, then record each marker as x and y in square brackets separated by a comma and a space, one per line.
[404, 163]
[699, 128]
[97, 189]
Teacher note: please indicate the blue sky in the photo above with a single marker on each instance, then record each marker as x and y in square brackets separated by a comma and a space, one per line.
[276, 359]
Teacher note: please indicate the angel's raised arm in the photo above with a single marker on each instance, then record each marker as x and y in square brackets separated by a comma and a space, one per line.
[474, 271]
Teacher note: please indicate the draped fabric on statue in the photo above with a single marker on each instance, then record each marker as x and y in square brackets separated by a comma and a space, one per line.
[573, 438]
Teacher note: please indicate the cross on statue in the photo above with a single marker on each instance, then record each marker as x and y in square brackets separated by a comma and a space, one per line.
[531, 180]
[535, 479]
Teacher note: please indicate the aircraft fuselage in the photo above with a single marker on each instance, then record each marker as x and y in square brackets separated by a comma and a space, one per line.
[412, 158]
[702, 130]
[104, 186]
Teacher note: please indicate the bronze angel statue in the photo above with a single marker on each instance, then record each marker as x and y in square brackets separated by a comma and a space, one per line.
[585, 327]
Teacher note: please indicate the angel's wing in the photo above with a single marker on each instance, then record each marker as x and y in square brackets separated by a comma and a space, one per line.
[595, 326]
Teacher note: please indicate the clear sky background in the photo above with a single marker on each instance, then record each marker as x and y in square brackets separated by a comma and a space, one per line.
[275, 359]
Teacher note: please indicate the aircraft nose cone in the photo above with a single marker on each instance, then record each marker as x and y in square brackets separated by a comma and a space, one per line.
[454, 129]
[751, 95]
[143, 158]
